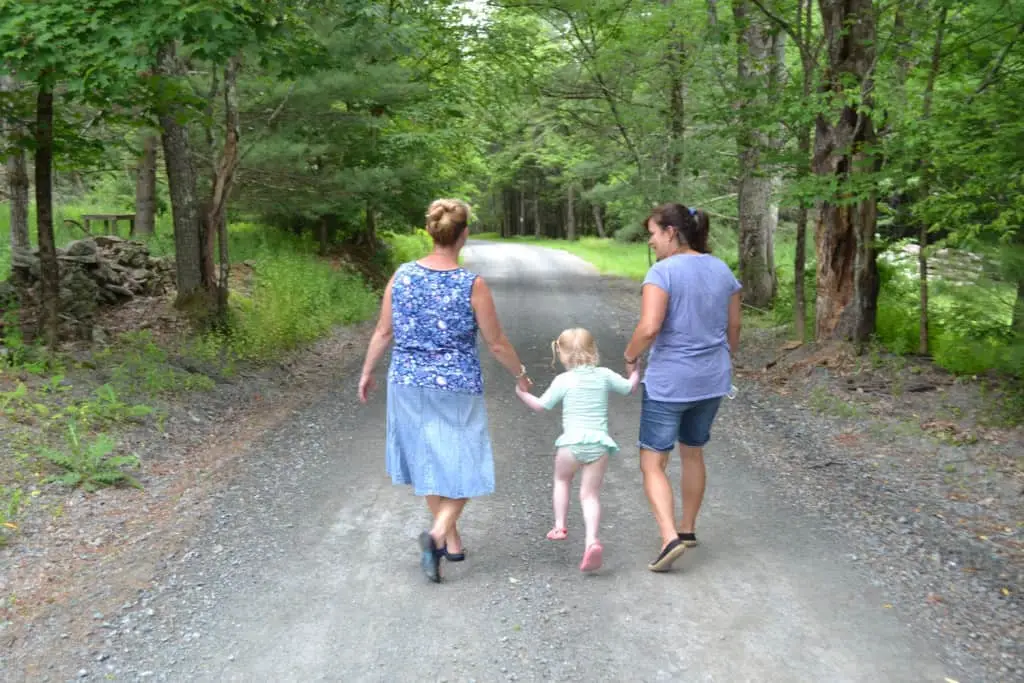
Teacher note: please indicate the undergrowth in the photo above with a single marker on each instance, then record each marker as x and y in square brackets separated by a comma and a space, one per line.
[90, 463]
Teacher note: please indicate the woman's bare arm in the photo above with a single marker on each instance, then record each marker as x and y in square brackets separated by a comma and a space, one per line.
[653, 306]
[490, 328]
[735, 322]
[382, 333]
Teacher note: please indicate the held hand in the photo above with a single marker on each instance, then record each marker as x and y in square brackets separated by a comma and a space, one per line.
[634, 381]
[523, 384]
[367, 384]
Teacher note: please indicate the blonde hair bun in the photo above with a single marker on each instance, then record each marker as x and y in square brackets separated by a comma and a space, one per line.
[446, 219]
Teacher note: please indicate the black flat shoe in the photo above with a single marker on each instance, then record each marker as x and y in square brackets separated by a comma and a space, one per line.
[689, 540]
[430, 557]
[453, 557]
[669, 554]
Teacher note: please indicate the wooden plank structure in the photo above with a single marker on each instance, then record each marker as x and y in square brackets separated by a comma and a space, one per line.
[110, 221]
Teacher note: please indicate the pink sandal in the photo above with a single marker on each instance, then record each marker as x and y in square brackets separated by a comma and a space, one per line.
[558, 534]
[592, 557]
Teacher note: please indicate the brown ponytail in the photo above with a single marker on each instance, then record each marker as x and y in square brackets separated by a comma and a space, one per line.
[692, 225]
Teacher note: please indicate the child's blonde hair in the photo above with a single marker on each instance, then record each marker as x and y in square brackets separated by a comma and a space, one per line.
[578, 347]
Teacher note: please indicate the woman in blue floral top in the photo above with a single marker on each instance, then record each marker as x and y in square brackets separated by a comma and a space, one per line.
[438, 439]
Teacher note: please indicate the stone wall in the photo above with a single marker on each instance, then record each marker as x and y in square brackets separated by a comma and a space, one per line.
[94, 272]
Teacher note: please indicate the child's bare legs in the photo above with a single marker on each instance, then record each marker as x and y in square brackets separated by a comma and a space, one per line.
[565, 469]
[590, 490]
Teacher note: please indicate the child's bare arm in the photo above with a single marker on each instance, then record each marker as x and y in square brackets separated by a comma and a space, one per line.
[621, 385]
[549, 399]
[530, 400]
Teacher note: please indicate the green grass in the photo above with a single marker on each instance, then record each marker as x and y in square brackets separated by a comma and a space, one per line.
[297, 299]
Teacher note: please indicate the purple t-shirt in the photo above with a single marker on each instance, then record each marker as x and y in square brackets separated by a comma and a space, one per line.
[689, 360]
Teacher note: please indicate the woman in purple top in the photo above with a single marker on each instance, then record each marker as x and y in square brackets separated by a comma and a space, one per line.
[690, 321]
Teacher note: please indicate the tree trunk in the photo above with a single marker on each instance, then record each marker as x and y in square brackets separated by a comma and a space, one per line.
[17, 178]
[777, 77]
[537, 229]
[223, 179]
[804, 22]
[756, 262]
[922, 235]
[799, 275]
[506, 212]
[371, 224]
[321, 235]
[598, 220]
[181, 182]
[49, 267]
[676, 122]
[847, 268]
[145, 188]
[1018, 308]
[570, 214]
[522, 213]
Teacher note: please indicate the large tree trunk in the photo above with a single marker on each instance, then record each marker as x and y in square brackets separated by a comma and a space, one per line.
[145, 187]
[754, 62]
[847, 269]
[49, 267]
[181, 181]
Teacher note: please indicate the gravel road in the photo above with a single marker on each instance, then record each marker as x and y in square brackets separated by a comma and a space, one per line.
[307, 568]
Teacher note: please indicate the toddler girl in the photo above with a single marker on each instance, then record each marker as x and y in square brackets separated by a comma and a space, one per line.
[584, 443]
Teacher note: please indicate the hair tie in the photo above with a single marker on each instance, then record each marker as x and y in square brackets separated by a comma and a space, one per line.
[693, 212]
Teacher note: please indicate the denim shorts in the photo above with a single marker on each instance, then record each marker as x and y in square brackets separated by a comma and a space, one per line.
[663, 423]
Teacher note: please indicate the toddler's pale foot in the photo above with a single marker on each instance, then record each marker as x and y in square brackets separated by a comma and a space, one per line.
[558, 534]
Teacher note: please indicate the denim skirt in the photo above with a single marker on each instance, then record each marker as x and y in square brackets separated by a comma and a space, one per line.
[439, 442]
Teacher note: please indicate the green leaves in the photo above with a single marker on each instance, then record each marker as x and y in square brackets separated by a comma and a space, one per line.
[90, 464]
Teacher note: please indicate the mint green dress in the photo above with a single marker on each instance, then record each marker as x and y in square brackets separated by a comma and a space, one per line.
[583, 392]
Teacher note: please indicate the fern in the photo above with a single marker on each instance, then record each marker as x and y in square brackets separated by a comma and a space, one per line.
[91, 464]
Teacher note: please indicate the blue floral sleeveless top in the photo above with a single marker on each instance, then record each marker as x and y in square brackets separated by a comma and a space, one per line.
[434, 330]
